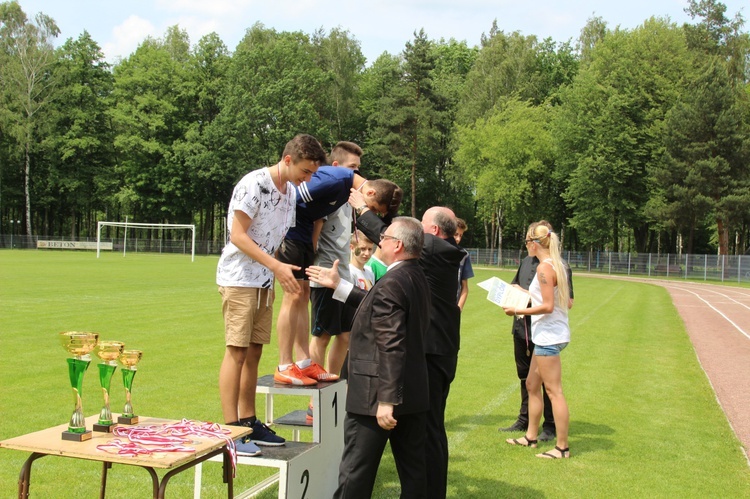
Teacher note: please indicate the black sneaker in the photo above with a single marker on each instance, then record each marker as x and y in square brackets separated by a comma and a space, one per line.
[517, 426]
[263, 435]
[547, 435]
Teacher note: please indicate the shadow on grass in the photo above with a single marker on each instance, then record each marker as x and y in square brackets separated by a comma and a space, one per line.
[585, 436]
[590, 437]
[586, 428]
[469, 422]
[461, 485]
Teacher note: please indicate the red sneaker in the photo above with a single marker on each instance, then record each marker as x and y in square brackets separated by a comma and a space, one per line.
[292, 376]
[316, 372]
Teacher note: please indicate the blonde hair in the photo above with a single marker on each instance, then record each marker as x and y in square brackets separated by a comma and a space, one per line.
[541, 232]
[357, 236]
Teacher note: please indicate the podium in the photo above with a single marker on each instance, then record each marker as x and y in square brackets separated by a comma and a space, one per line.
[306, 469]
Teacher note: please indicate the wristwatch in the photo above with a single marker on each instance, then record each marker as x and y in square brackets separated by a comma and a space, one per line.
[361, 209]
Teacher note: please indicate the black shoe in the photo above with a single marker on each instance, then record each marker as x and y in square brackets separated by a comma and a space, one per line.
[547, 435]
[517, 426]
[263, 435]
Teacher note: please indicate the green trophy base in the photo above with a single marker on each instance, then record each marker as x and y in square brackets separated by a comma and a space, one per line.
[104, 428]
[77, 437]
[127, 420]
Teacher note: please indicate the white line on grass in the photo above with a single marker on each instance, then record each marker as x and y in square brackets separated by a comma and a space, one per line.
[594, 310]
[456, 438]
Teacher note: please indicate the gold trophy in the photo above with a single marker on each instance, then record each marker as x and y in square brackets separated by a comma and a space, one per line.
[79, 344]
[109, 352]
[128, 359]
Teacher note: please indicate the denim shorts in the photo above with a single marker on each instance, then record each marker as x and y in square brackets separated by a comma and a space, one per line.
[549, 350]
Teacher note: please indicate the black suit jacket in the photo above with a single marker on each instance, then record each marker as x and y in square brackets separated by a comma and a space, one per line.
[386, 349]
[441, 262]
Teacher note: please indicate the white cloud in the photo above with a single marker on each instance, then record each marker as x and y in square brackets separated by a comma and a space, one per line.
[127, 36]
[218, 8]
[197, 27]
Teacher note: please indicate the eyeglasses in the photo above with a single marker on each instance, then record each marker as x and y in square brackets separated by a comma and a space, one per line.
[383, 237]
[531, 241]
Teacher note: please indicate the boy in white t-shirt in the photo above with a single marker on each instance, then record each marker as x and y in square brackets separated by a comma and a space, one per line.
[261, 210]
[362, 249]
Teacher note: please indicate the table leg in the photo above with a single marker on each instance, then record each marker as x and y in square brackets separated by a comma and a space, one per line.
[228, 472]
[24, 478]
[154, 481]
[103, 487]
[180, 469]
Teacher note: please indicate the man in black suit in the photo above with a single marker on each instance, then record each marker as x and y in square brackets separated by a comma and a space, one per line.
[441, 261]
[387, 399]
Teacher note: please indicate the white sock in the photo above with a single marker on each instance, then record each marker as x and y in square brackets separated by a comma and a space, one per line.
[284, 367]
[303, 363]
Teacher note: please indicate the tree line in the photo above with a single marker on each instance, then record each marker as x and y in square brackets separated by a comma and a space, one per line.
[625, 139]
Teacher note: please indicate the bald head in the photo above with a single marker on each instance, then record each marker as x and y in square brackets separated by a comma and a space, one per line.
[440, 221]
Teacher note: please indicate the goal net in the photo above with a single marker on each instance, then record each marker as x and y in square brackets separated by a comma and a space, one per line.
[138, 226]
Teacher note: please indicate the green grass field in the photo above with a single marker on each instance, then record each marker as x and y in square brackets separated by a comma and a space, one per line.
[644, 420]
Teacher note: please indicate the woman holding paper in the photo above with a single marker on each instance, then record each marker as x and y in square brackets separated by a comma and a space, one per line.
[550, 333]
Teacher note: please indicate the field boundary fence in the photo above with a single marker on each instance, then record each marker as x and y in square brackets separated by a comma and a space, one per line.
[723, 268]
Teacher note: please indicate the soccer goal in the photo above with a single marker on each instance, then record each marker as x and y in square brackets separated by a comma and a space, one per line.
[135, 225]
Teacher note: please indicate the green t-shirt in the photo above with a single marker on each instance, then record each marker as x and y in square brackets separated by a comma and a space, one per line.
[378, 268]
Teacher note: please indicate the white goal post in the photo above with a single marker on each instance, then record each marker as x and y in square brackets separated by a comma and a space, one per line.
[128, 225]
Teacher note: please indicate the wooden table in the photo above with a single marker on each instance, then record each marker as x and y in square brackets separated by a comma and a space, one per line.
[50, 443]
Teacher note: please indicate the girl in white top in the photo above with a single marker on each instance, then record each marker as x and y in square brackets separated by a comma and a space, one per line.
[550, 301]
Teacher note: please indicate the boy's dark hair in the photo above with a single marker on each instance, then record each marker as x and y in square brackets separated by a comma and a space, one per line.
[341, 149]
[388, 194]
[304, 146]
[461, 224]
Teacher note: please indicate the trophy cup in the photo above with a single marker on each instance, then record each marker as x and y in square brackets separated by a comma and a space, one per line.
[108, 351]
[79, 344]
[128, 359]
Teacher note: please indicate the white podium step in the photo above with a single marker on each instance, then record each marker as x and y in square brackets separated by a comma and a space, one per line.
[306, 469]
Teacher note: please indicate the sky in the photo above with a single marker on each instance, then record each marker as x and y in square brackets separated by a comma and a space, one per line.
[119, 26]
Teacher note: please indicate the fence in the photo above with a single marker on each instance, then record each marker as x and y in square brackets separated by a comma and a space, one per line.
[134, 244]
[724, 268]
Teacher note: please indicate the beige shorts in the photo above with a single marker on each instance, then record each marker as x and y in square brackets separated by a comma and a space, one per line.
[247, 315]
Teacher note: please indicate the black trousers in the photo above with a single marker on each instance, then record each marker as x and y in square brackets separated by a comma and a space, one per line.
[523, 364]
[441, 369]
[364, 442]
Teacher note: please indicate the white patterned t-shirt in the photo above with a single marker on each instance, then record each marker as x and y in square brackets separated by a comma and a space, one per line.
[272, 213]
[362, 278]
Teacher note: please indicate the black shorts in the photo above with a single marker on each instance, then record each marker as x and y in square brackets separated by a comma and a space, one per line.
[329, 316]
[297, 253]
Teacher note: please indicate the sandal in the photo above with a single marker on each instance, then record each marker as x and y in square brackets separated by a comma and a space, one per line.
[526, 442]
[564, 454]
